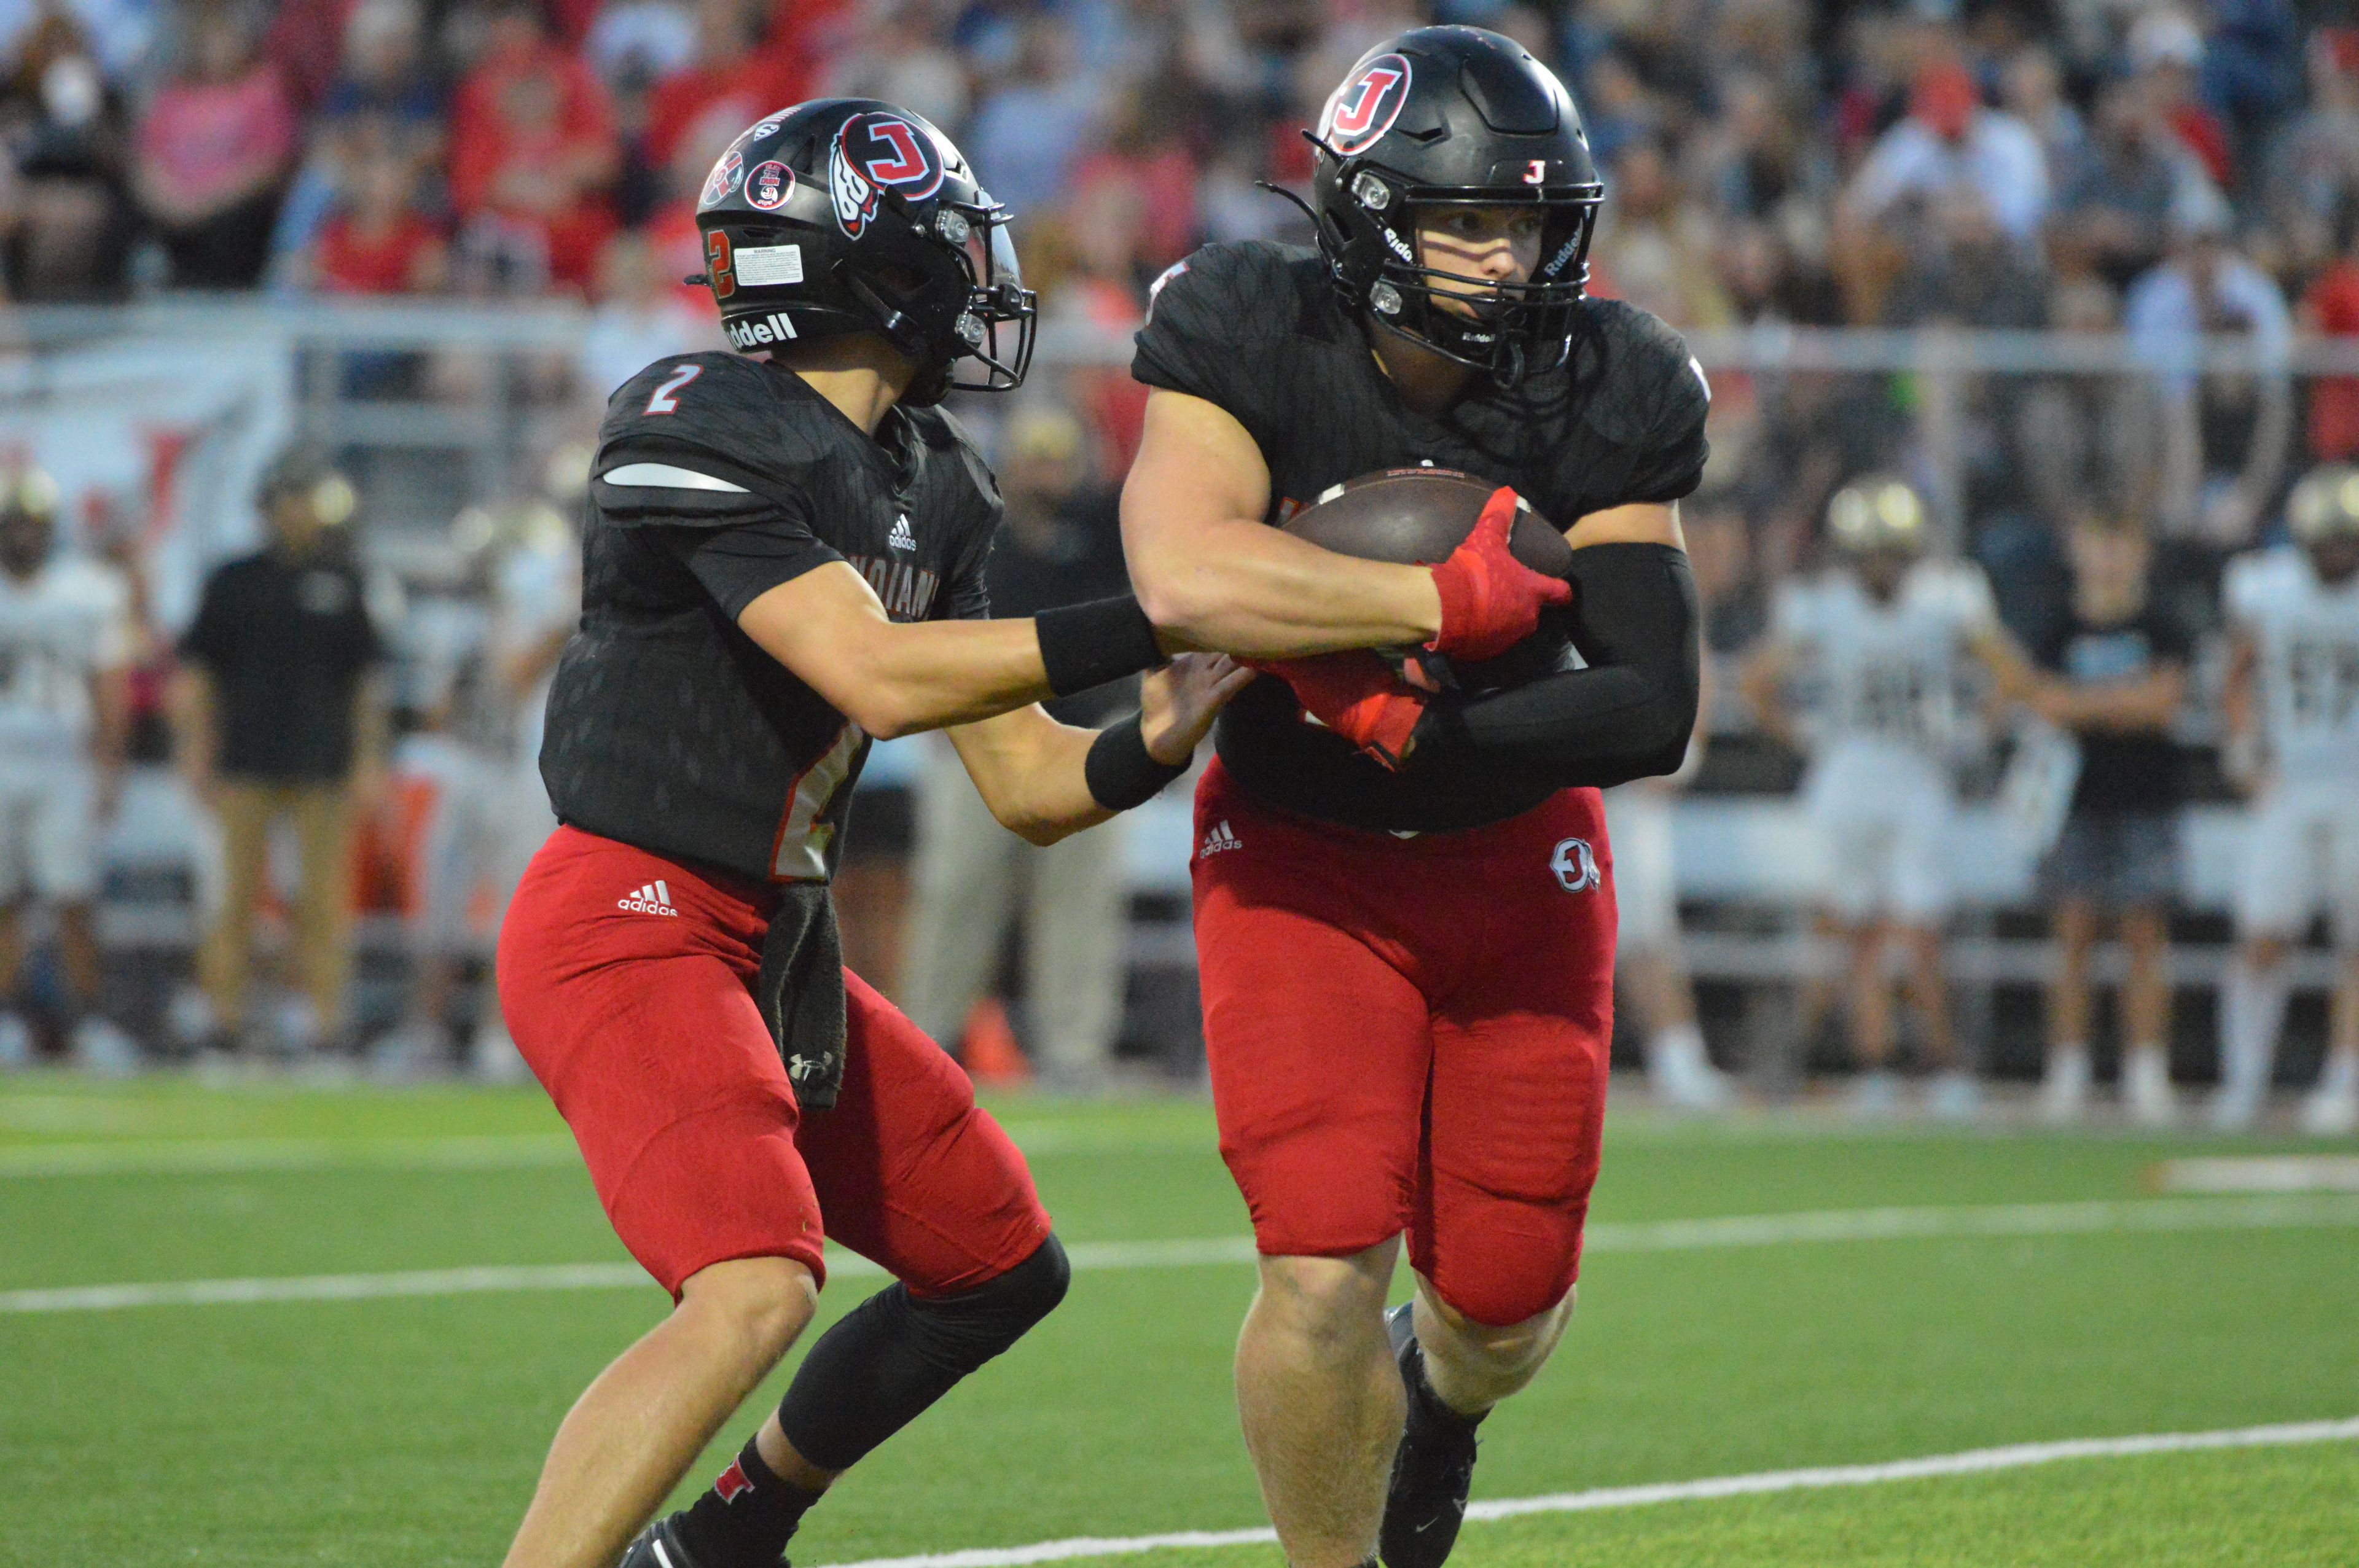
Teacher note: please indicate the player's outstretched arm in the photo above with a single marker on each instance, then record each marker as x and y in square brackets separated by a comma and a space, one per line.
[897, 678]
[1044, 780]
[1212, 574]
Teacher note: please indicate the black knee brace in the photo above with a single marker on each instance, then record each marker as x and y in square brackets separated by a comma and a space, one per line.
[895, 1354]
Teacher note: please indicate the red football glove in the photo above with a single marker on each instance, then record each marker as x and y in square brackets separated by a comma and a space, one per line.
[1355, 695]
[1490, 601]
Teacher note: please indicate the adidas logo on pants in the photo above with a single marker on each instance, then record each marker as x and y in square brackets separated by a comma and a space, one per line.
[653, 899]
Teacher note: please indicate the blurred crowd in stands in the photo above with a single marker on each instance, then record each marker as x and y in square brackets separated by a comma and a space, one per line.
[2155, 166]
[2167, 170]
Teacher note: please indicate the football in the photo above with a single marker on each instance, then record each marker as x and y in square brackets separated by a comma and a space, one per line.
[1416, 517]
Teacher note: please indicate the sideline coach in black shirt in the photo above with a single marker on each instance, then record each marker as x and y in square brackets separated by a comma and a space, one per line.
[280, 719]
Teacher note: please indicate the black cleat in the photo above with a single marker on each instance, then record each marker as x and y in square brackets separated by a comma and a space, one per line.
[659, 1546]
[1433, 1471]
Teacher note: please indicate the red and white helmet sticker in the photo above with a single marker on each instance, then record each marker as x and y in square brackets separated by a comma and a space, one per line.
[1364, 108]
[770, 185]
[723, 179]
[877, 151]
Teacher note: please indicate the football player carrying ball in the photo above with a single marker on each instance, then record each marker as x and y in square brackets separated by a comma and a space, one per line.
[1404, 901]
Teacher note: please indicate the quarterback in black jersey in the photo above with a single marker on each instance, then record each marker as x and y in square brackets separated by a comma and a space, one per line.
[784, 559]
[1404, 903]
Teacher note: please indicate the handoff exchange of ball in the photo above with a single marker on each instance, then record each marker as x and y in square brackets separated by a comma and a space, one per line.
[1416, 517]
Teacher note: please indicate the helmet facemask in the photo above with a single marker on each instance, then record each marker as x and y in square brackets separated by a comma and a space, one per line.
[1515, 329]
[938, 319]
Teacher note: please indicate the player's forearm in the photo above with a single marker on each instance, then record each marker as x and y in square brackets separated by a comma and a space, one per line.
[902, 679]
[1038, 788]
[1627, 716]
[1243, 589]
[1592, 726]
[1045, 781]
[897, 678]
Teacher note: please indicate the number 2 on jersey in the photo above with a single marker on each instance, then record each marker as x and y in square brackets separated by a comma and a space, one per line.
[666, 400]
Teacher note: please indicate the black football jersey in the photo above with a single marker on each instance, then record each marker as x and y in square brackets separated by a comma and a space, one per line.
[718, 478]
[1257, 328]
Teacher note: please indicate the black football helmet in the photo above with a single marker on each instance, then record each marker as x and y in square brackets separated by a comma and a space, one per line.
[1459, 115]
[849, 215]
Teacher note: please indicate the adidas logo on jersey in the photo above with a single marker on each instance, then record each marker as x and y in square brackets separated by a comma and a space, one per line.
[901, 538]
[1222, 837]
[653, 899]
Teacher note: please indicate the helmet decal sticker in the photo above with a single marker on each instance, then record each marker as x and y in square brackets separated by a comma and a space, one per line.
[1364, 108]
[770, 185]
[723, 179]
[763, 267]
[718, 269]
[875, 150]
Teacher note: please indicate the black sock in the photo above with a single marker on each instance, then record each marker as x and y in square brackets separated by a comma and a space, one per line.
[747, 1518]
[1426, 1406]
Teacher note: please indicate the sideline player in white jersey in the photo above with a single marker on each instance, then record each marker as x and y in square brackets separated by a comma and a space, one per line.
[1879, 650]
[65, 646]
[2293, 716]
[1649, 957]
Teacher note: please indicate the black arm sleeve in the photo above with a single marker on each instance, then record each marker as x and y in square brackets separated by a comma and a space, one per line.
[1629, 714]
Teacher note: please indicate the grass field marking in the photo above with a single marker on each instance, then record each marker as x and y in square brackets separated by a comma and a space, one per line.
[327, 1287]
[1663, 1235]
[1933, 1221]
[2260, 1174]
[235, 1156]
[1973, 1462]
[232, 1156]
[1088, 1256]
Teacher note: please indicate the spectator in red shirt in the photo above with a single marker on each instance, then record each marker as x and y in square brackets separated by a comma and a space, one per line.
[532, 151]
[378, 242]
[212, 156]
[731, 84]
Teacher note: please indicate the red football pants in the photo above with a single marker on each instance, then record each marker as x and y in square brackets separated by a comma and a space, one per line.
[1411, 1034]
[641, 1025]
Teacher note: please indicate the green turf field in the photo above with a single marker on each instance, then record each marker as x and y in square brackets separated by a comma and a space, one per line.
[406, 1430]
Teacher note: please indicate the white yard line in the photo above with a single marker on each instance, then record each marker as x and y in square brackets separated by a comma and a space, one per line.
[1986, 1219]
[234, 1156]
[1974, 1462]
[1661, 1235]
[2261, 1174]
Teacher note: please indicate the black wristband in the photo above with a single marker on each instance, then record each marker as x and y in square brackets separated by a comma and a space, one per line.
[1082, 645]
[1121, 771]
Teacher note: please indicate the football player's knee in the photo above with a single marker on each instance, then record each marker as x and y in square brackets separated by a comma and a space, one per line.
[1329, 1297]
[1506, 1348]
[960, 1333]
[759, 1304]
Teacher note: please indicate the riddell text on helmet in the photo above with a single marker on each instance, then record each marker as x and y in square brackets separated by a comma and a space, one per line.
[752, 332]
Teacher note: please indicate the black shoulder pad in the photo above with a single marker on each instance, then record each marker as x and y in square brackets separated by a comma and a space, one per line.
[1234, 291]
[1651, 386]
